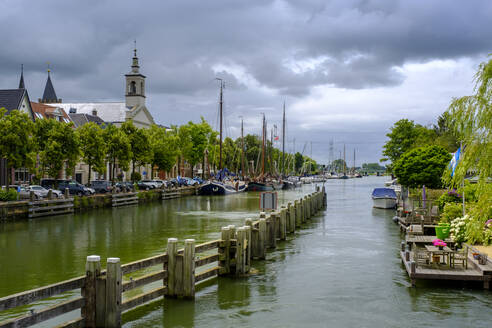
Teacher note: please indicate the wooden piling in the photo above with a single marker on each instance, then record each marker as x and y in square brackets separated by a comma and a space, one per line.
[113, 293]
[172, 253]
[67, 193]
[92, 272]
[297, 210]
[224, 251]
[247, 265]
[283, 223]
[271, 231]
[292, 218]
[262, 231]
[240, 258]
[189, 269]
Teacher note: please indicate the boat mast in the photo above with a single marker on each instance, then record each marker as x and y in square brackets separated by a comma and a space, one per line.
[221, 101]
[344, 163]
[271, 152]
[263, 147]
[354, 160]
[283, 143]
[242, 148]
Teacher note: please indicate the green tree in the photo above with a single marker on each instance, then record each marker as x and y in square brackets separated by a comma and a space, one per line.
[401, 139]
[57, 145]
[118, 149]
[472, 122]
[164, 148]
[422, 166]
[16, 139]
[92, 147]
[194, 138]
[298, 161]
[139, 144]
[446, 136]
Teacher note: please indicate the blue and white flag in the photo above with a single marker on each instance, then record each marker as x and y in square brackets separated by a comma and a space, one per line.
[454, 160]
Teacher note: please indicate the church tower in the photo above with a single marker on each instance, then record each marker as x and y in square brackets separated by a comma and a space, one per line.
[135, 85]
[49, 95]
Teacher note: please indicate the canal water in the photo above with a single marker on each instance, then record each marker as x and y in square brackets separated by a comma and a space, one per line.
[342, 270]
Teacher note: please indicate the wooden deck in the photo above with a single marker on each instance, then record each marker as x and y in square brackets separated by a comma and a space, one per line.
[423, 239]
[472, 273]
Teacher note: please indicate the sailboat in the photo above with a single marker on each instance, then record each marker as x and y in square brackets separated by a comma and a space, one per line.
[222, 186]
[344, 176]
[288, 184]
[260, 184]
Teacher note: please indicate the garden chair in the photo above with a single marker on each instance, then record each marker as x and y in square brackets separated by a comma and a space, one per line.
[460, 258]
[421, 256]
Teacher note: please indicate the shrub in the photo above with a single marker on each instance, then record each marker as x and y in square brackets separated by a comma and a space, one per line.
[449, 197]
[458, 229]
[8, 195]
[136, 176]
[451, 212]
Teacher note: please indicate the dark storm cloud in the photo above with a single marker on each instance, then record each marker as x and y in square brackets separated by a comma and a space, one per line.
[286, 47]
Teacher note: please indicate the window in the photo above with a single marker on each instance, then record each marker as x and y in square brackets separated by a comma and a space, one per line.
[133, 88]
[141, 88]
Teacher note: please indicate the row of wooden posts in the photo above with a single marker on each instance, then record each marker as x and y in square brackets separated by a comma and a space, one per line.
[101, 300]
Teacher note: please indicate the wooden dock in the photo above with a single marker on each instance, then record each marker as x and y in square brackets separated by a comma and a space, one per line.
[474, 272]
[102, 298]
[170, 194]
[124, 199]
[50, 207]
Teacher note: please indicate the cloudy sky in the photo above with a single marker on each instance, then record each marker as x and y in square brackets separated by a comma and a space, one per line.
[347, 69]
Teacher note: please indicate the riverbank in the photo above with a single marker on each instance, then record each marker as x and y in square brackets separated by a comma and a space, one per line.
[16, 210]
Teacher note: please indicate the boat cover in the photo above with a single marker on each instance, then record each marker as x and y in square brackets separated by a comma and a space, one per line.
[384, 193]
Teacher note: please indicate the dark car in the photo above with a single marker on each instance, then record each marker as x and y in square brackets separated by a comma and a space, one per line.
[74, 188]
[125, 184]
[144, 186]
[101, 186]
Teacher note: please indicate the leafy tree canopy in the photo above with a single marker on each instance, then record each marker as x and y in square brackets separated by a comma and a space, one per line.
[422, 166]
[93, 147]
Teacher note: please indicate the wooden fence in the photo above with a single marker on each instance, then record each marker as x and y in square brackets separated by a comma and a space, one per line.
[101, 301]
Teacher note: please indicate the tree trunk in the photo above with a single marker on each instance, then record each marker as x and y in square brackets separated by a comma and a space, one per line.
[113, 169]
[89, 177]
[151, 171]
[133, 172]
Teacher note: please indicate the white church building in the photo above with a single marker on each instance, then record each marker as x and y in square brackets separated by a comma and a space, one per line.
[133, 108]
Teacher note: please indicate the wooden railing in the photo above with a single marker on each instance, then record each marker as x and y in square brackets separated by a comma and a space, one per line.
[101, 300]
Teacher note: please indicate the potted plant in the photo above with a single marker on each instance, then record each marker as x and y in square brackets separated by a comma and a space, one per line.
[439, 243]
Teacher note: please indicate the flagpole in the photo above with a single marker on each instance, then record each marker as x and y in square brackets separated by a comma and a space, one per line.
[463, 181]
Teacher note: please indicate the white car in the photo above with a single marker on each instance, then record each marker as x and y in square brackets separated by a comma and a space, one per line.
[43, 192]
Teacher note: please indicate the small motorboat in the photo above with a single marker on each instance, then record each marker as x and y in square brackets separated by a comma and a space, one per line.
[384, 198]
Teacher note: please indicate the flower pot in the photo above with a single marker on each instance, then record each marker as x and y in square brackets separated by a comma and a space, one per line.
[442, 232]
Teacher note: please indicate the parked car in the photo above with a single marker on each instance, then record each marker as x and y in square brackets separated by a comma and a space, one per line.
[125, 184]
[75, 188]
[159, 183]
[144, 186]
[198, 179]
[150, 183]
[101, 186]
[23, 193]
[178, 182]
[44, 192]
[190, 181]
[51, 183]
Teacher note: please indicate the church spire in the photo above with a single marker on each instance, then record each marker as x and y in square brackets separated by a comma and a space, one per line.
[21, 82]
[135, 67]
[49, 95]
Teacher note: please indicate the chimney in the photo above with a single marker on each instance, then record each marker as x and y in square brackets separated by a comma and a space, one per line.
[94, 112]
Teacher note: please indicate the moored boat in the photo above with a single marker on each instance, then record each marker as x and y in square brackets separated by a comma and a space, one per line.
[384, 198]
[220, 188]
[260, 186]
